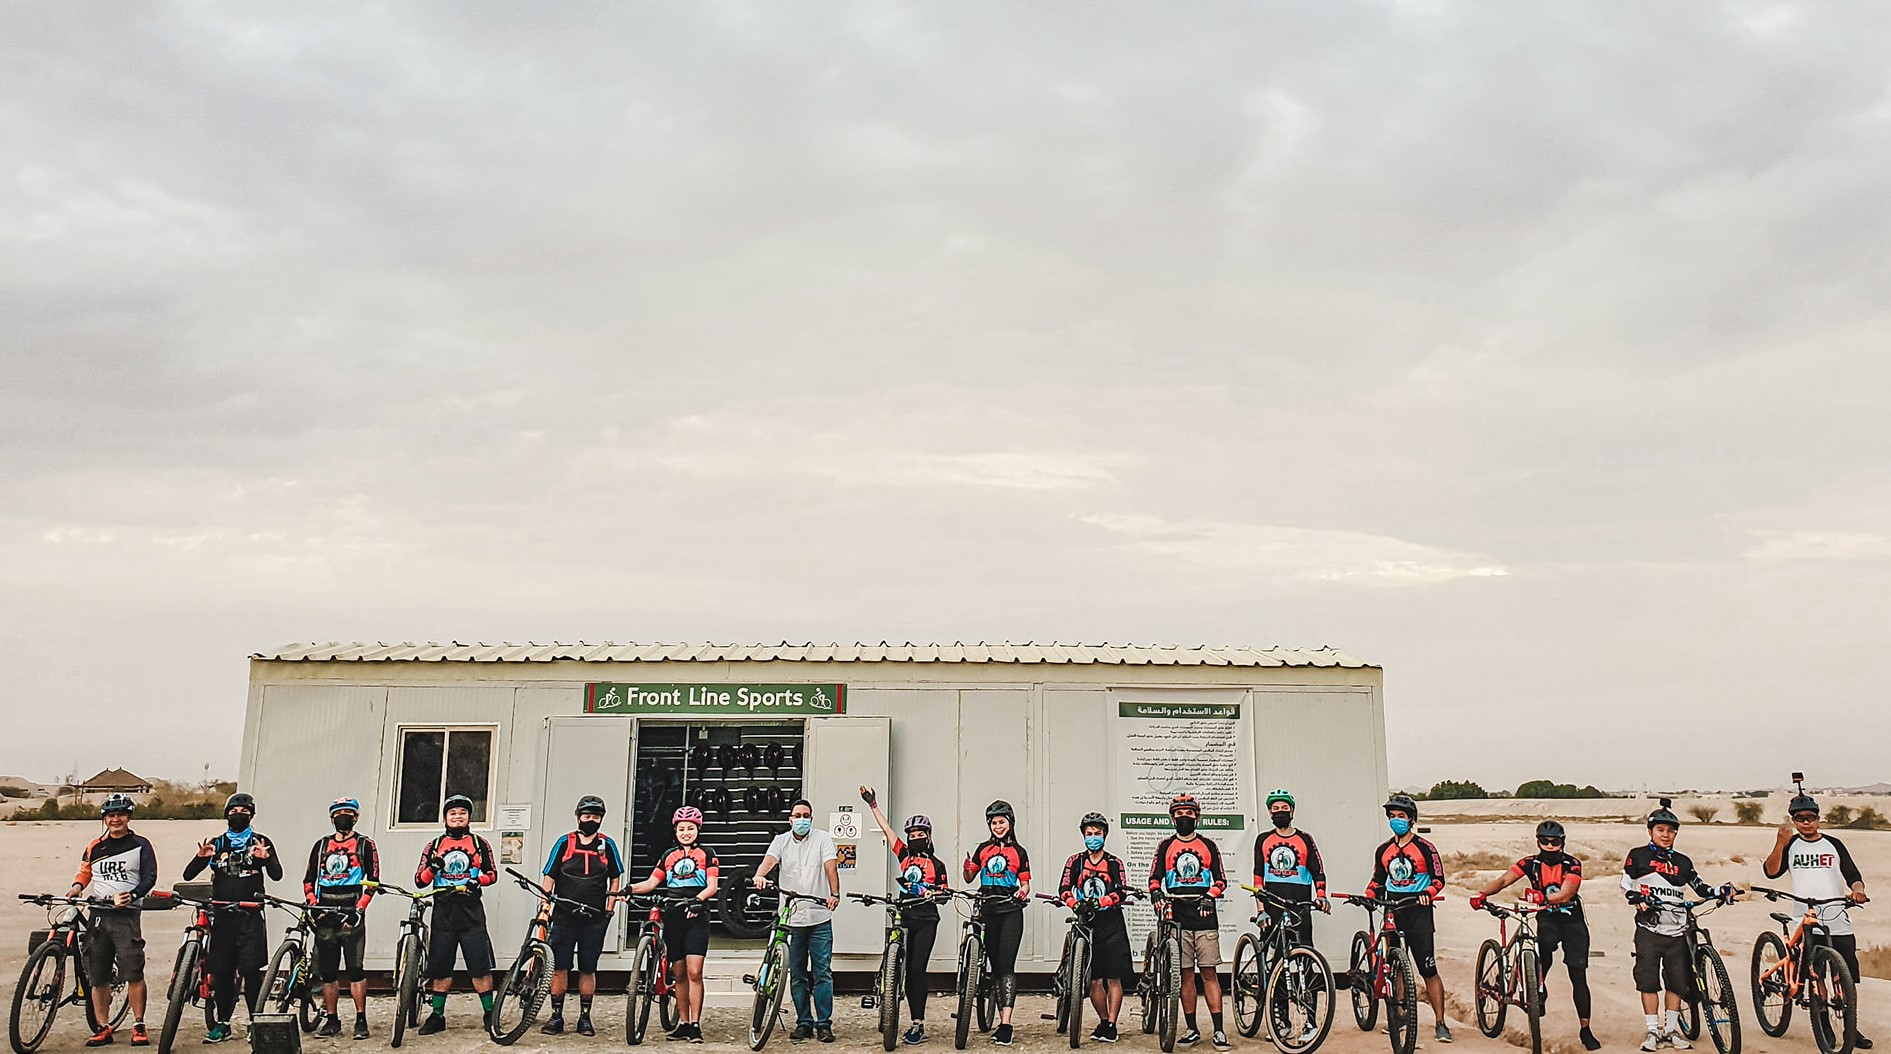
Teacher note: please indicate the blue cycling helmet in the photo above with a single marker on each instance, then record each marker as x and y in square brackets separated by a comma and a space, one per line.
[344, 805]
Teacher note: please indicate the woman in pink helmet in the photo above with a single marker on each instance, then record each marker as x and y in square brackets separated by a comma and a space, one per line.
[689, 868]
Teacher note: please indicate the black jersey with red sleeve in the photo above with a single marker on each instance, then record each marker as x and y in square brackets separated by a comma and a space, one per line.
[921, 874]
[340, 868]
[1003, 868]
[1406, 870]
[464, 862]
[1189, 866]
[1289, 865]
[1548, 874]
[1100, 881]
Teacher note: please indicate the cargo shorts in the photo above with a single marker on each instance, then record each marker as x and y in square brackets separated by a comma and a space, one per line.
[114, 949]
[1200, 948]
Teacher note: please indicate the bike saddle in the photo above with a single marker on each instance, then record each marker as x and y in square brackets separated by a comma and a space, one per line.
[1781, 917]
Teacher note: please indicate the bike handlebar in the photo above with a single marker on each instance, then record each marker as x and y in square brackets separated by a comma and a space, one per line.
[1810, 902]
[410, 894]
[551, 898]
[1370, 903]
[48, 899]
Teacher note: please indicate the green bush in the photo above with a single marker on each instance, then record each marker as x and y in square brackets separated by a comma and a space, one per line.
[1748, 811]
[1454, 790]
[1869, 819]
[1840, 816]
[1552, 789]
[1703, 813]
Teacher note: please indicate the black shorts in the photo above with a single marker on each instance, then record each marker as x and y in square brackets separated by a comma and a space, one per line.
[584, 937]
[683, 936]
[1110, 956]
[239, 943]
[1661, 962]
[474, 945]
[1568, 932]
[333, 944]
[1421, 940]
[114, 948]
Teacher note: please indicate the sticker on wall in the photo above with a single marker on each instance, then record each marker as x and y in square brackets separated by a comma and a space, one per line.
[512, 847]
[844, 826]
[848, 855]
[515, 817]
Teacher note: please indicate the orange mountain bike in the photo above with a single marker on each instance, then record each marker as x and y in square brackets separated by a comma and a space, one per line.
[1802, 968]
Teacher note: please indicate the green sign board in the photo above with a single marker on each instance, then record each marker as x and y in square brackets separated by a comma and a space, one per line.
[1160, 821]
[1181, 711]
[717, 700]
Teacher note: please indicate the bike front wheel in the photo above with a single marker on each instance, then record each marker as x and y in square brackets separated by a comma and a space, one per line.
[1248, 981]
[516, 1003]
[769, 986]
[1151, 1005]
[1719, 1009]
[1360, 980]
[1170, 950]
[1529, 982]
[1299, 1001]
[1834, 1010]
[888, 993]
[1076, 987]
[1491, 997]
[971, 978]
[278, 981]
[1771, 1003]
[183, 989]
[407, 984]
[1401, 1005]
[42, 988]
[643, 986]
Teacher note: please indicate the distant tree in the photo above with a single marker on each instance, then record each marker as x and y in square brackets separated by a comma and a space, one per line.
[1553, 789]
[49, 809]
[1840, 816]
[1703, 813]
[1453, 790]
[1748, 811]
[1870, 819]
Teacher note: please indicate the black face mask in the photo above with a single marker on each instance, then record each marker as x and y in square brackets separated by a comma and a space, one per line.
[344, 823]
[1185, 825]
[919, 846]
[1283, 820]
[238, 821]
[589, 827]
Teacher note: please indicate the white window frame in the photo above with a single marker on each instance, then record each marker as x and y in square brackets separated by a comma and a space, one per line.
[400, 758]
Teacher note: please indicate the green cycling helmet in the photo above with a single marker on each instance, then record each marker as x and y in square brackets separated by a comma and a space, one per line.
[1279, 794]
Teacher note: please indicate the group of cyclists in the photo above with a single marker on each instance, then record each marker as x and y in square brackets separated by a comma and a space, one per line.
[586, 873]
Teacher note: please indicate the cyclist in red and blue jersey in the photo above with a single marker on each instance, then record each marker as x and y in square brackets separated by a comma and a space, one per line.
[1188, 863]
[1003, 871]
[584, 866]
[1098, 878]
[1555, 878]
[341, 868]
[1287, 864]
[461, 863]
[1403, 866]
[922, 874]
[690, 869]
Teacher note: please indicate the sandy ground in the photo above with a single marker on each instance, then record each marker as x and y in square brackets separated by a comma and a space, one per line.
[40, 857]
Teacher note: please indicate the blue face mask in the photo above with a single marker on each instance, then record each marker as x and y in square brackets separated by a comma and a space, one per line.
[801, 825]
[1400, 825]
[1093, 842]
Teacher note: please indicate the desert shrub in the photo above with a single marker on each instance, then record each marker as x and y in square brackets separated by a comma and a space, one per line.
[1748, 811]
[1553, 789]
[1869, 819]
[1458, 863]
[1451, 790]
[1703, 813]
[1840, 816]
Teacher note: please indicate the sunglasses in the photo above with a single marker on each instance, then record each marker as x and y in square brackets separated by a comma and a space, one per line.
[1550, 841]
[1805, 817]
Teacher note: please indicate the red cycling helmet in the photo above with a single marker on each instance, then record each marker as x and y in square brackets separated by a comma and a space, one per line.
[1182, 801]
[688, 813]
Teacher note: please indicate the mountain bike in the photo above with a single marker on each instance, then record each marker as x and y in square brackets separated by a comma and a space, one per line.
[42, 989]
[190, 979]
[1380, 971]
[1801, 968]
[1071, 983]
[650, 981]
[290, 984]
[517, 999]
[770, 979]
[890, 986]
[1712, 1000]
[410, 957]
[1508, 972]
[1161, 985]
[1293, 981]
[976, 988]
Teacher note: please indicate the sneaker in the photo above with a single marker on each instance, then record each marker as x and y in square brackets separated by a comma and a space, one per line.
[361, 1026]
[139, 1038]
[1002, 1036]
[1188, 1039]
[218, 1033]
[801, 1033]
[1220, 1041]
[1651, 1041]
[915, 1035]
[1311, 1031]
[1676, 1040]
[1097, 1033]
[485, 1018]
[1589, 1040]
[1110, 1036]
[554, 1027]
[1860, 1043]
[331, 1026]
[434, 1023]
[1442, 1033]
[585, 1028]
[824, 1033]
[100, 1038]
[679, 1034]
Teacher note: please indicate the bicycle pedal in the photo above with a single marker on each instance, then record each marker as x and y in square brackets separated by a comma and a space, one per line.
[748, 978]
[868, 1002]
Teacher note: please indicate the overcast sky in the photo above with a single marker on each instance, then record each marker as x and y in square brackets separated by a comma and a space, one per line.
[1536, 352]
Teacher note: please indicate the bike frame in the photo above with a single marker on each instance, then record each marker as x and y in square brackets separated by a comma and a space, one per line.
[1792, 967]
[1385, 936]
[1513, 943]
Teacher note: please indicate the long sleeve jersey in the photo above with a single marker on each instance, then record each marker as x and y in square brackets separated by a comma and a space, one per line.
[1406, 870]
[464, 861]
[1821, 868]
[1190, 866]
[1663, 877]
[1101, 881]
[1289, 865]
[235, 872]
[340, 867]
[110, 866]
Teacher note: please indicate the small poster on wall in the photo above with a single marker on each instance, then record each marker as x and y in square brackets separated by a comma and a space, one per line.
[512, 847]
[848, 854]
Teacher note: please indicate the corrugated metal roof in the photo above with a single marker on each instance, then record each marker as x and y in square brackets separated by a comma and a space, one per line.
[957, 652]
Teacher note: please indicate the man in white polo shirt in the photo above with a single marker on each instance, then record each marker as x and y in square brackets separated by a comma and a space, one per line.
[809, 864]
[1821, 869]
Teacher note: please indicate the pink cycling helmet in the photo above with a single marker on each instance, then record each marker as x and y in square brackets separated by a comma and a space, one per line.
[689, 813]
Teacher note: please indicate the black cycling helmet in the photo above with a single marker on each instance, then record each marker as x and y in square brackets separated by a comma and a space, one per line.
[457, 801]
[1664, 814]
[998, 808]
[1094, 819]
[590, 803]
[1402, 801]
[116, 803]
[240, 800]
[1802, 802]
[1550, 829]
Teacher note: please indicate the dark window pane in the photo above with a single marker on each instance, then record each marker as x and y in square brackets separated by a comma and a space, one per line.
[418, 795]
[469, 767]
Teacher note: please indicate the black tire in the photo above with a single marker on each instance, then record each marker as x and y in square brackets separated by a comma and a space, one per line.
[971, 976]
[1771, 1005]
[1719, 1007]
[1077, 988]
[1245, 977]
[1531, 978]
[1359, 982]
[407, 958]
[183, 989]
[668, 1013]
[1491, 997]
[278, 995]
[42, 988]
[1151, 1006]
[738, 919]
[519, 996]
[1834, 1012]
[1058, 993]
[1171, 952]
[888, 994]
[311, 1012]
[641, 990]
[770, 986]
[1401, 1007]
[1301, 979]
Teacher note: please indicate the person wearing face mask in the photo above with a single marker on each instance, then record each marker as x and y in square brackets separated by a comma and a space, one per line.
[1406, 866]
[922, 875]
[810, 864]
[1653, 877]
[1097, 878]
[584, 866]
[238, 860]
[460, 863]
[1187, 863]
[341, 866]
[1003, 871]
[1555, 878]
[688, 869]
[1287, 864]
